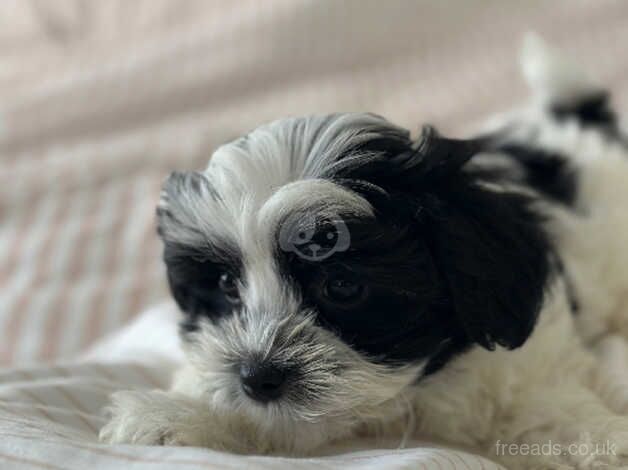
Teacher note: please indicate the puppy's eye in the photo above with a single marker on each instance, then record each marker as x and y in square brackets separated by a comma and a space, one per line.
[343, 291]
[228, 285]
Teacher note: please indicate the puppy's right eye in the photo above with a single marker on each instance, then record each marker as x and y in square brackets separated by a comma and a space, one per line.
[343, 292]
[229, 286]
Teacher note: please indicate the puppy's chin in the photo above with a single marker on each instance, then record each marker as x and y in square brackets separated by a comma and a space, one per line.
[331, 389]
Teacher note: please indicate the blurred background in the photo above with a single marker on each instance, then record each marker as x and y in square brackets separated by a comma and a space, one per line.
[100, 100]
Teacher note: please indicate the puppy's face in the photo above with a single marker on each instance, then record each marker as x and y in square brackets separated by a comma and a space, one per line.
[326, 264]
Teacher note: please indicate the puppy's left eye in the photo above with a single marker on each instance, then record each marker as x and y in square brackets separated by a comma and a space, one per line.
[343, 291]
[228, 285]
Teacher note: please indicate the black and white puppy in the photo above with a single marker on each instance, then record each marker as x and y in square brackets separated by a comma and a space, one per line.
[339, 278]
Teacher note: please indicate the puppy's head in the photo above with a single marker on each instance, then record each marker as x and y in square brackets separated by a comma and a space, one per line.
[326, 264]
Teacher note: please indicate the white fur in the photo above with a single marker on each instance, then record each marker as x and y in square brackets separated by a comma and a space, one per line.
[553, 76]
[547, 390]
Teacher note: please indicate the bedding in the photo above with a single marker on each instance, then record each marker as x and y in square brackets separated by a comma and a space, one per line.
[99, 101]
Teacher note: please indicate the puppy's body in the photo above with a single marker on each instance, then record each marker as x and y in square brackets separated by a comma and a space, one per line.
[457, 297]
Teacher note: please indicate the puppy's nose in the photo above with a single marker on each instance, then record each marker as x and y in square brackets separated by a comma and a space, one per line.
[262, 382]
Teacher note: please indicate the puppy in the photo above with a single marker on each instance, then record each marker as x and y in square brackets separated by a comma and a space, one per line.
[338, 278]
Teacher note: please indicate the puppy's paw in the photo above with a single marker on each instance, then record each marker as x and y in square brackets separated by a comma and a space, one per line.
[153, 418]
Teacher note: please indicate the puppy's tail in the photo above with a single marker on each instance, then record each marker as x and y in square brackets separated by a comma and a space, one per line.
[559, 84]
[551, 75]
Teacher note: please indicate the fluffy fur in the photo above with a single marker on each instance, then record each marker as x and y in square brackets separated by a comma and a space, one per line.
[338, 278]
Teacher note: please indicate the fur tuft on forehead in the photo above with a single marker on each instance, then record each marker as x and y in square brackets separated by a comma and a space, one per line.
[309, 147]
[288, 166]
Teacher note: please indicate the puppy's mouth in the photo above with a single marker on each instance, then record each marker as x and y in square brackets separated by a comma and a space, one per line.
[298, 392]
[289, 371]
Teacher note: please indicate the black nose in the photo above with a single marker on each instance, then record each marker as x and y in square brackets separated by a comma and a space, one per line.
[262, 382]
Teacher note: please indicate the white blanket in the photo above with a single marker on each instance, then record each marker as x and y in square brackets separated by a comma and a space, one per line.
[50, 416]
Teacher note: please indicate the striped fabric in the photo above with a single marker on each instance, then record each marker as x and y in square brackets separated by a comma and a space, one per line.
[100, 100]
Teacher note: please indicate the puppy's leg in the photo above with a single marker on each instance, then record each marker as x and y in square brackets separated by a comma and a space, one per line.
[609, 380]
[169, 418]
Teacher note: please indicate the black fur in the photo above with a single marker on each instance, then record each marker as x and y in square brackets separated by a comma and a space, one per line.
[547, 172]
[448, 263]
[193, 271]
[592, 110]
[193, 280]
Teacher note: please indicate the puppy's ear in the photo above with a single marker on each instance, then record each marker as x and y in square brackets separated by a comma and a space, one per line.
[494, 257]
[490, 249]
[181, 207]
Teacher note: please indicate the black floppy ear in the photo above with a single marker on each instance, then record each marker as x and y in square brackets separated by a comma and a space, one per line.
[494, 257]
[490, 249]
